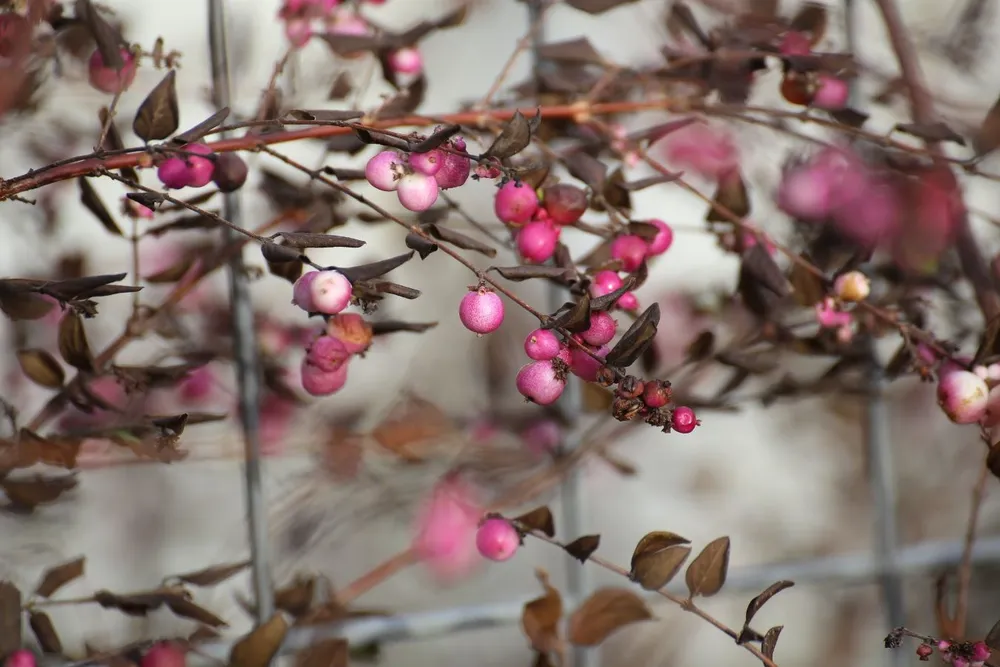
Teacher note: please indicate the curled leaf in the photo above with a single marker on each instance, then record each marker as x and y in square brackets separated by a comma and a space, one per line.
[60, 575]
[376, 269]
[539, 519]
[636, 339]
[706, 574]
[768, 593]
[41, 368]
[158, 116]
[259, 647]
[583, 547]
[657, 558]
[514, 138]
[604, 612]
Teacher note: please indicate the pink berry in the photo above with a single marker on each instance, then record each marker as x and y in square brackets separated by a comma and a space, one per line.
[200, 170]
[429, 163]
[541, 382]
[541, 345]
[319, 382]
[174, 173]
[198, 385]
[446, 529]
[963, 396]
[605, 282]
[565, 203]
[417, 192]
[980, 652]
[832, 93]
[497, 539]
[331, 292]
[537, 241]
[702, 148]
[384, 170]
[924, 651]
[298, 32]
[795, 43]
[22, 657]
[406, 61]
[107, 79]
[327, 354]
[829, 317]
[302, 292]
[806, 193]
[656, 394]
[565, 354]
[515, 203]
[456, 169]
[629, 301]
[543, 437]
[662, 241]
[602, 329]
[481, 311]
[683, 419]
[352, 330]
[630, 249]
[584, 366]
[164, 654]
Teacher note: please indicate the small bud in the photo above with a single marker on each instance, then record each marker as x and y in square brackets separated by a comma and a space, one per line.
[852, 287]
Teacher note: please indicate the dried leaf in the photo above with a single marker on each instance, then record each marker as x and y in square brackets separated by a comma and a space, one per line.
[214, 575]
[258, 648]
[578, 51]
[583, 547]
[732, 198]
[529, 272]
[436, 139]
[393, 326]
[657, 558]
[184, 608]
[701, 347]
[539, 519]
[202, 128]
[375, 269]
[771, 641]
[759, 601]
[636, 339]
[19, 302]
[807, 287]
[421, 245]
[993, 637]
[309, 240]
[460, 240]
[597, 6]
[706, 575]
[60, 575]
[327, 653]
[94, 204]
[540, 618]
[987, 137]
[604, 612]
[10, 618]
[574, 317]
[113, 142]
[812, 20]
[45, 632]
[933, 132]
[642, 184]
[158, 116]
[514, 138]
[41, 368]
[297, 597]
[588, 169]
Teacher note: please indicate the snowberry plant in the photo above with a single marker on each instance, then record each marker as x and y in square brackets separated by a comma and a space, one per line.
[870, 229]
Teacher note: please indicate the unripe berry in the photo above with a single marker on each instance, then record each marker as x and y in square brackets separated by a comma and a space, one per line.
[541, 382]
[605, 282]
[515, 203]
[327, 353]
[107, 79]
[662, 241]
[302, 292]
[406, 61]
[319, 382]
[630, 250]
[584, 366]
[497, 539]
[537, 241]
[963, 396]
[352, 330]
[456, 169]
[564, 203]
[22, 657]
[330, 291]
[230, 172]
[542, 344]
[629, 301]
[602, 329]
[429, 163]
[200, 170]
[174, 173]
[481, 311]
[683, 419]
[417, 192]
[852, 286]
[656, 394]
[164, 654]
[384, 170]
[831, 94]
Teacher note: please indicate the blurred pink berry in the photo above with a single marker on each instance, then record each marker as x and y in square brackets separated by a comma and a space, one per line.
[980, 652]
[164, 654]
[542, 437]
[683, 419]
[963, 396]
[541, 345]
[200, 169]
[456, 169]
[298, 32]
[384, 170]
[330, 292]
[352, 330]
[605, 282]
[541, 382]
[585, 366]
[275, 422]
[302, 292]
[319, 382]
[481, 311]
[107, 79]
[959, 661]
[198, 385]
[537, 241]
[628, 301]
[806, 193]
[871, 214]
[663, 240]
[497, 539]
[795, 43]
[630, 250]
[406, 61]
[602, 329]
[704, 149]
[446, 529]
[417, 192]
[832, 93]
[173, 173]
[327, 353]
[829, 317]
[22, 657]
[564, 203]
[429, 163]
[852, 286]
[515, 203]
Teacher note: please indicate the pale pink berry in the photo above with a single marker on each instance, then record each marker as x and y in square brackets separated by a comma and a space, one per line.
[955, 364]
[200, 169]
[832, 93]
[352, 330]
[327, 353]
[107, 79]
[331, 292]
[564, 203]
[662, 241]
[944, 645]
[164, 654]
[497, 539]
[298, 32]
[537, 241]
[384, 170]
[605, 282]
[584, 365]
[963, 396]
[829, 317]
[319, 382]
[481, 311]
[302, 292]
[346, 23]
[417, 192]
[629, 301]
[683, 419]
[174, 173]
[541, 382]
[852, 286]
[704, 149]
[406, 61]
[429, 163]
[602, 329]
[22, 657]
[980, 652]
[542, 437]
[456, 169]
[806, 193]
[630, 250]
[515, 203]
[795, 43]
[542, 344]
[446, 529]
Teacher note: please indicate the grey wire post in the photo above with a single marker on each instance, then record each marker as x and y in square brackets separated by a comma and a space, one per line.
[244, 343]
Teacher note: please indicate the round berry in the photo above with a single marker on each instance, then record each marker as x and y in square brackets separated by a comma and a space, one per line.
[542, 344]
[831, 94]
[481, 311]
[515, 203]
[584, 365]
[963, 396]
[628, 301]
[108, 79]
[541, 382]
[602, 329]
[656, 394]
[230, 172]
[200, 169]
[174, 173]
[319, 382]
[543, 437]
[327, 353]
[683, 419]
[429, 163]
[605, 282]
[384, 169]
[406, 61]
[330, 291]
[22, 657]
[795, 89]
[630, 250]
[537, 241]
[417, 192]
[497, 539]
[164, 654]
[663, 240]
[564, 203]
[795, 43]
[298, 32]
[456, 169]
[302, 292]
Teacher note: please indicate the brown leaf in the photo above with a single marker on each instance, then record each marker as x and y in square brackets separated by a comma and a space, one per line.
[45, 632]
[73, 345]
[588, 169]
[158, 116]
[113, 142]
[202, 128]
[514, 138]
[812, 20]
[41, 368]
[183, 607]
[636, 339]
[706, 575]
[413, 428]
[211, 576]
[10, 618]
[420, 244]
[296, 598]
[30, 492]
[597, 6]
[993, 460]
[540, 618]
[60, 575]
[136, 604]
[993, 637]
[394, 326]
[18, 301]
[987, 137]
[643, 183]
[258, 648]
[574, 317]
[94, 204]
[807, 287]
[771, 641]
[310, 240]
[528, 272]
[56, 450]
[604, 612]
[578, 51]
[732, 198]
[327, 653]
[657, 558]
[759, 601]
[583, 547]
[931, 132]
[376, 269]
[701, 347]
[460, 240]
[539, 519]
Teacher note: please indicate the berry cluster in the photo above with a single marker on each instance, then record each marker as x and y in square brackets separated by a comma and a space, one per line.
[416, 178]
[957, 654]
[196, 165]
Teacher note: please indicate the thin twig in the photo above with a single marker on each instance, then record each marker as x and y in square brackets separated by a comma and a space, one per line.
[965, 566]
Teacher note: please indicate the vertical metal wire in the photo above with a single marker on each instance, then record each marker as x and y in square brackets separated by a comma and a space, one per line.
[244, 343]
